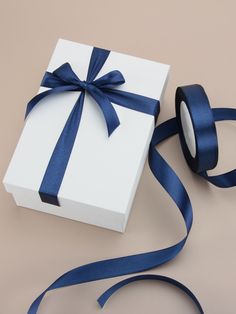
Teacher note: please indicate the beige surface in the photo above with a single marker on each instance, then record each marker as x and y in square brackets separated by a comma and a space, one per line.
[198, 39]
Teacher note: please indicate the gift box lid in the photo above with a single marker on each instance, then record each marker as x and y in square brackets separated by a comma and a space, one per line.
[103, 172]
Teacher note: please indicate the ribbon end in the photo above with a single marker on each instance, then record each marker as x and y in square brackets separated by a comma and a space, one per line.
[113, 128]
[49, 198]
[100, 302]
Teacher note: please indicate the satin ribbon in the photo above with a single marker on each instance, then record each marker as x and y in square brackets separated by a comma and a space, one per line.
[194, 96]
[103, 91]
[203, 119]
[108, 293]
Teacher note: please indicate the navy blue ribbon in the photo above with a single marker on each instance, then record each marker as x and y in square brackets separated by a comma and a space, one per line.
[194, 97]
[109, 292]
[103, 91]
[203, 119]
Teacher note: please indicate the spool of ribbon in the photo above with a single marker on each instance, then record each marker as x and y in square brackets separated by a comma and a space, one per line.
[197, 132]
[195, 124]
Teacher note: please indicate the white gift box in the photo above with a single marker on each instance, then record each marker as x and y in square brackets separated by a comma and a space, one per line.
[103, 172]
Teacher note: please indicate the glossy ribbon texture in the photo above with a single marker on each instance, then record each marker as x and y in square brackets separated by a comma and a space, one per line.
[103, 91]
[203, 119]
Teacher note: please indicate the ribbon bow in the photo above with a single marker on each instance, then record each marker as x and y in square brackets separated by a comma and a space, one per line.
[103, 91]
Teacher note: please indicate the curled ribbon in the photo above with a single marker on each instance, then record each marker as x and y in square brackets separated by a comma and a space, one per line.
[203, 119]
[103, 92]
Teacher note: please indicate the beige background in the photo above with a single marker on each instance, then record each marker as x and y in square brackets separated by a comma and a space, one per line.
[198, 39]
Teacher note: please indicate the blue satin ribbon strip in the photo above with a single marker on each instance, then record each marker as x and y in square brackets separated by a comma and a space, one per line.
[193, 96]
[108, 293]
[103, 91]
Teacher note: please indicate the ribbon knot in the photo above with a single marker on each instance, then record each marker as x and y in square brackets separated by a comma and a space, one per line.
[84, 85]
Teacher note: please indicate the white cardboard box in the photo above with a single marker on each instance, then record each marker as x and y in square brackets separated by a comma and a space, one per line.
[103, 172]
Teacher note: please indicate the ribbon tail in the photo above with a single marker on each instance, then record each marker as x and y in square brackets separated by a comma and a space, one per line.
[138, 262]
[111, 268]
[166, 175]
[227, 179]
[109, 113]
[59, 89]
[33, 102]
[109, 292]
[133, 101]
[58, 162]
[222, 114]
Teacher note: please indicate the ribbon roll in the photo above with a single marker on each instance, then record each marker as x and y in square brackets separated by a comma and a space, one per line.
[195, 124]
[196, 128]
[197, 132]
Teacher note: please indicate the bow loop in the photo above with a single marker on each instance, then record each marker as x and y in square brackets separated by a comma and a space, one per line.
[62, 76]
[66, 74]
[51, 81]
[110, 80]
